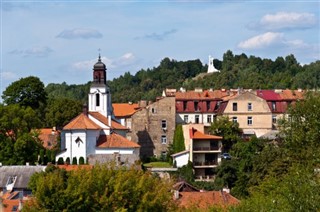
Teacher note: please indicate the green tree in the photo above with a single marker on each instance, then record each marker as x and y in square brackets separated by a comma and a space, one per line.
[178, 139]
[229, 130]
[103, 188]
[60, 111]
[27, 91]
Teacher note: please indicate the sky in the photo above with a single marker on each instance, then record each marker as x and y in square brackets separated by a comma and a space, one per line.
[59, 41]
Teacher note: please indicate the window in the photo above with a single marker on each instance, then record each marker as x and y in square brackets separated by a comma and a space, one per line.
[164, 139]
[274, 119]
[197, 119]
[153, 110]
[164, 124]
[196, 106]
[234, 119]
[249, 106]
[249, 120]
[235, 106]
[97, 99]
[186, 118]
[208, 105]
[273, 106]
[184, 105]
[209, 119]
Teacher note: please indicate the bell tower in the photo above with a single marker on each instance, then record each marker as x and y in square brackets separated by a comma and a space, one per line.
[99, 97]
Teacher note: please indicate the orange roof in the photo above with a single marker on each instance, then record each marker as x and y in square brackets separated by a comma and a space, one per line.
[124, 109]
[203, 200]
[48, 136]
[115, 141]
[104, 120]
[195, 134]
[81, 122]
[291, 94]
[74, 167]
[10, 205]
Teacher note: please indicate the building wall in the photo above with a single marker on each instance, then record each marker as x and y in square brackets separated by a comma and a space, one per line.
[182, 159]
[260, 113]
[147, 129]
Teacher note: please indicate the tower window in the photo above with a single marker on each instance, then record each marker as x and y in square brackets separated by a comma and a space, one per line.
[164, 124]
[97, 99]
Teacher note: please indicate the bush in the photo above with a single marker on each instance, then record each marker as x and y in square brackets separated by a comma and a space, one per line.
[60, 161]
[81, 161]
[74, 161]
[68, 161]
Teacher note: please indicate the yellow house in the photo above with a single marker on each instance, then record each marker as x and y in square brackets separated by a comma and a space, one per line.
[251, 112]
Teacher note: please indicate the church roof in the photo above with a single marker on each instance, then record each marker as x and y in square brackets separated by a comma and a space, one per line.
[82, 121]
[124, 109]
[115, 140]
[104, 120]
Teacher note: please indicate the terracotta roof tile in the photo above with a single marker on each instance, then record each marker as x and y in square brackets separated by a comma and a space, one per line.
[195, 134]
[104, 120]
[115, 141]
[81, 122]
[203, 200]
[124, 109]
[11, 205]
[49, 137]
[292, 94]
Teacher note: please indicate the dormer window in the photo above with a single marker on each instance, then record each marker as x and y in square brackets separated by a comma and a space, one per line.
[196, 106]
[273, 106]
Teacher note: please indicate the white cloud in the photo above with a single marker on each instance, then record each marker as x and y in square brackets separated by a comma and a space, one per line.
[6, 75]
[261, 41]
[287, 20]
[124, 60]
[79, 33]
[34, 52]
[157, 36]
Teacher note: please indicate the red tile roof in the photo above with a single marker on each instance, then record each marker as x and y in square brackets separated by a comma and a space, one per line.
[104, 120]
[115, 141]
[124, 109]
[269, 95]
[206, 94]
[82, 121]
[195, 134]
[203, 200]
[49, 137]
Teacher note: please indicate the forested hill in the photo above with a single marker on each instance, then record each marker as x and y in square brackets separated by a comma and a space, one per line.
[235, 71]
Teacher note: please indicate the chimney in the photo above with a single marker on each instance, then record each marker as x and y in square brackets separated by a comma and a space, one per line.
[175, 194]
[85, 109]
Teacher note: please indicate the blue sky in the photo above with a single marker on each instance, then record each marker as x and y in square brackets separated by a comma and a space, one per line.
[58, 41]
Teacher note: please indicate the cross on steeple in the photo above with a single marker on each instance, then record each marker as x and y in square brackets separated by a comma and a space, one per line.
[99, 55]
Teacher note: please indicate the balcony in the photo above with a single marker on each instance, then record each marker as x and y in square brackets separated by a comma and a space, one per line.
[204, 178]
[205, 164]
[206, 149]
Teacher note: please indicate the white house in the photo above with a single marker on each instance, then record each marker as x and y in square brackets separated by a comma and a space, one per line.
[95, 133]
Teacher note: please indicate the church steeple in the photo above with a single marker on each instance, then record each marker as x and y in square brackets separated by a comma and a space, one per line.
[99, 72]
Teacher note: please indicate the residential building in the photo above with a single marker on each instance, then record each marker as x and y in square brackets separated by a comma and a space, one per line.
[203, 150]
[49, 137]
[95, 134]
[123, 113]
[153, 127]
[250, 111]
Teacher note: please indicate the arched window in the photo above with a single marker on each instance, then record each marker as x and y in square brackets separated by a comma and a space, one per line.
[97, 99]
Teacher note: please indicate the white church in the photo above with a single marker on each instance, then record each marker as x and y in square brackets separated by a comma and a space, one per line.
[95, 135]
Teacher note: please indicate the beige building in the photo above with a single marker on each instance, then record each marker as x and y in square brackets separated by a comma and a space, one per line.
[153, 127]
[251, 112]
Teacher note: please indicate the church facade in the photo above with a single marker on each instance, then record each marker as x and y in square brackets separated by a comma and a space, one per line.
[95, 135]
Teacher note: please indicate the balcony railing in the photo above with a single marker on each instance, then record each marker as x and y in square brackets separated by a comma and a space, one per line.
[212, 148]
[204, 178]
[205, 163]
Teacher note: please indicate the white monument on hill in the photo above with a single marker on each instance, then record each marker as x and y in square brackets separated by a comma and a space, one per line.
[211, 68]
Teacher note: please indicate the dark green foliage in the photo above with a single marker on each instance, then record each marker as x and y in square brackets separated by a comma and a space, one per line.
[74, 161]
[178, 140]
[81, 161]
[60, 111]
[27, 91]
[229, 130]
[68, 161]
[186, 173]
[102, 188]
[60, 161]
